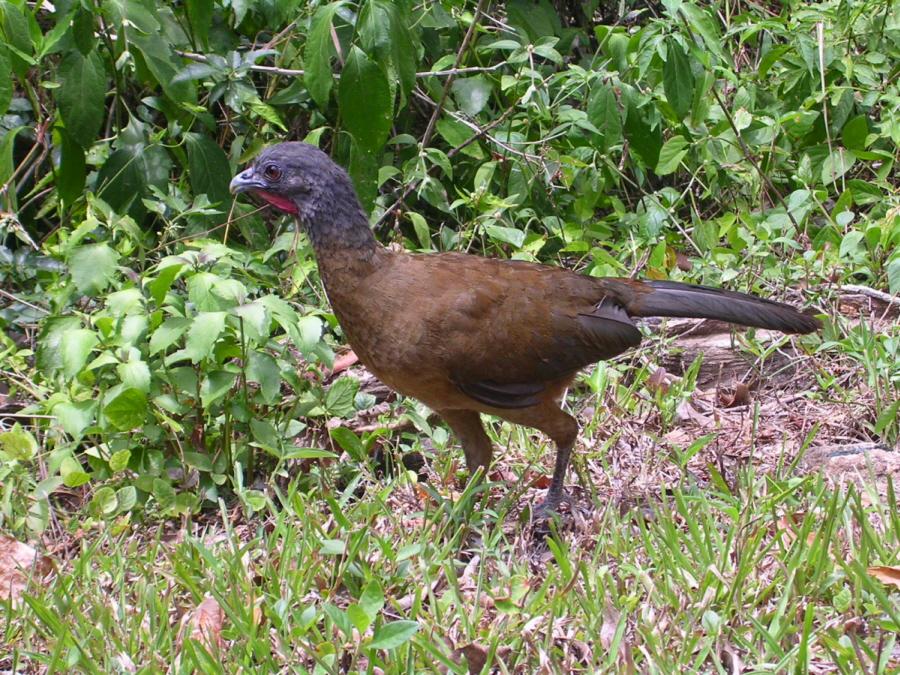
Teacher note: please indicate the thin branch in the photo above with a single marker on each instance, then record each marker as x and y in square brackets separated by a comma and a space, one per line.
[871, 293]
[12, 297]
[293, 72]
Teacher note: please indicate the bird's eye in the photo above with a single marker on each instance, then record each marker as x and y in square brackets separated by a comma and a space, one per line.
[272, 172]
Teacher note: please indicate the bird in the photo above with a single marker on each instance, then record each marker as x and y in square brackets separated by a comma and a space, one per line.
[469, 335]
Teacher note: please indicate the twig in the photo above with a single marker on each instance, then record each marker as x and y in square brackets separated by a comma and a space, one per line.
[871, 293]
[12, 297]
[293, 72]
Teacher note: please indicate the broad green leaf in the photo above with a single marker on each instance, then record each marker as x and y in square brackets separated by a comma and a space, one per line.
[671, 154]
[836, 164]
[255, 320]
[359, 618]
[160, 60]
[365, 100]
[349, 442]
[200, 13]
[7, 145]
[81, 95]
[200, 291]
[854, 133]
[135, 374]
[309, 329]
[215, 386]
[50, 341]
[6, 85]
[75, 348]
[18, 443]
[385, 34]
[208, 168]
[168, 333]
[263, 370]
[392, 635]
[471, 94]
[18, 36]
[678, 80]
[104, 501]
[318, 53]
[340, 396]
[603, 113]
[507, 235]
[118, 461]
[128, 410]
[72, 169]
[893, 275]
[126, 498]
[372, 598]
[93, 267]
[203, 333]
[75, 416]
[73, 473]
[644, 136]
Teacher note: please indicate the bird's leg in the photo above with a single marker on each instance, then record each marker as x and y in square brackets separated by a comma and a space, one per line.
[466, 424]
[555, 493]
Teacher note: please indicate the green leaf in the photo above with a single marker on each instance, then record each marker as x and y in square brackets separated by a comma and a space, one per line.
[7, 145]
[678, 80]
[507, 235]
[255, 319]
[263, 370]
[168, 333]
[75, 416]
[392, 635]
[644, 136]
[135, 374]
[128, 410]
[372, 599]
[603, 113]
[384, 33]
[73, 474]
[266, 435]
[126, 498]
[471, 94]
[81, 95]
[836, 164]
[160, 59]
[18, 36]
[18, 443]
[359, 618]
[318, 54]
[216, 385]
[203, 333]
[893, 275]
[340, 396]
[349, 442]
[72, 169]
[76, 347]
[855, 132]
[365, 101]
[671, 154]
[53, 334]
[208, 168]
[309, 330]
[118, 461]
[104, 501]
[93, 267]
[6, 84]
[200, 13]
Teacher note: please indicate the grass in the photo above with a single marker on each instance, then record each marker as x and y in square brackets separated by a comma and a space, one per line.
[759, 572]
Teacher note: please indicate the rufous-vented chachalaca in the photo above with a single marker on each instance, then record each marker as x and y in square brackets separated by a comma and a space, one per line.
[468, 335]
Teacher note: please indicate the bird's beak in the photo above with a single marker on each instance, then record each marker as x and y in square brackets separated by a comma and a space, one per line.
[243, 182]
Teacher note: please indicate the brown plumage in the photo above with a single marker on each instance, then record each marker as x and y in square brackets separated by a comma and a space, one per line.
[466, 334]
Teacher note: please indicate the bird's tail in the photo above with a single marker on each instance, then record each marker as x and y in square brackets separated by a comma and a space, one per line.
[673, 299]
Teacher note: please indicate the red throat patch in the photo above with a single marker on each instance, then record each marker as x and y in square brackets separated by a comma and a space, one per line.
[281, 203]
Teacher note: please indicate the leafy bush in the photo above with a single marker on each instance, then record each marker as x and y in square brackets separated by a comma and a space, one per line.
[170, 335]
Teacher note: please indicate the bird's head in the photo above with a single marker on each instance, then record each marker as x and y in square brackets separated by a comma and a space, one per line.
[301, 180]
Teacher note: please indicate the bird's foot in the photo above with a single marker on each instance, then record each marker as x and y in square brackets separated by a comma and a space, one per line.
[549, 508]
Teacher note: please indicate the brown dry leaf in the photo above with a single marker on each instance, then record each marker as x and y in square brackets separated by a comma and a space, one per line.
[610, 624]
[476, 657]
[685, 412]
[343, 362]
[682, 262]
[205, 624]
[740, 396]
[18, 562]
[659, 380]
[885, 574]
[789, 524]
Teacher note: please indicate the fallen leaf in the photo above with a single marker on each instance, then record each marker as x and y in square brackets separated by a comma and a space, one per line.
[682, 262]
[740, 396]
[886, 575]
[18, 563]
[343, 362]
[476, 657]
[659, 381]
[205, 624]
[609, 626]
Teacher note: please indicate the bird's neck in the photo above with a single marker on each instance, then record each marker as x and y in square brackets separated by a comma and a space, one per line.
[345, 247]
